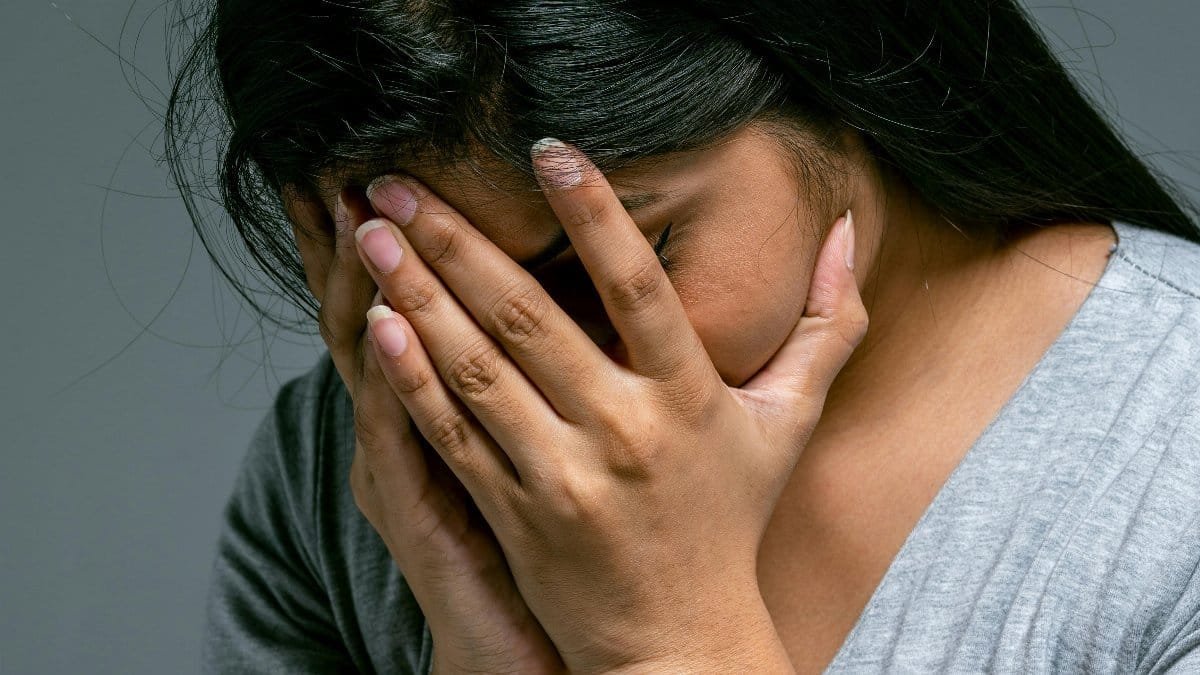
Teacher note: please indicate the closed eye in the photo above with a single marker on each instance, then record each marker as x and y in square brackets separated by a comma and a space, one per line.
[557, 248]
[662, 244]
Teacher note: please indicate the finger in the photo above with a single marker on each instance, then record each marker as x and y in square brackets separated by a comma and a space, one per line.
[637, 295]
[834, 322]
[468, 450]
[383, 448]
[341, 301]
[470, 363]
[393, 482]
[349, 287]
[503, 298]
[313, 234]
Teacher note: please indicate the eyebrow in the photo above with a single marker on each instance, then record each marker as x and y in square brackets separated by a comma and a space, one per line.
[562, 242]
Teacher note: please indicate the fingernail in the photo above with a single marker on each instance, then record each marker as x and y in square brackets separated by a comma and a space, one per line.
[848, 240]
[380, 245]
[557, 165]
[395, 199]
[386, 330]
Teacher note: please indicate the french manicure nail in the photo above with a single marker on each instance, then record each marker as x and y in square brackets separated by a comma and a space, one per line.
[380, 245]
[558, 165]
[848, 240]
[387, 330]
[398, 198]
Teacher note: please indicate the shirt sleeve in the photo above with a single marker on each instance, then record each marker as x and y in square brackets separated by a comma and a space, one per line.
[267, 610]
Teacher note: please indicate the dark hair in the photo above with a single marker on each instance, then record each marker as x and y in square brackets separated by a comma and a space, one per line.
[961, 98]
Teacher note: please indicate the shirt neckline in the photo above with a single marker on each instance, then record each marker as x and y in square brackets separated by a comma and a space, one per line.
[1125, 235]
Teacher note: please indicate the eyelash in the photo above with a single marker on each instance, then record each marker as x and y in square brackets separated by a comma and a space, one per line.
[660, 245]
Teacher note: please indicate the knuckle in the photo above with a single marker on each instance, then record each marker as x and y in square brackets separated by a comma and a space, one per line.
[443, 243]
[518, 316]
[414, 297]
[409, 381]
[637, 289]
[633, 451]
[473, 373]
[449, 434]
[577, 497]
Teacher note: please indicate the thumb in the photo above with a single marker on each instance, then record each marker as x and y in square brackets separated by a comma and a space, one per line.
[798, 377]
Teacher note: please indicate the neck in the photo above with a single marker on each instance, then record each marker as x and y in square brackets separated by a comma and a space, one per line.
[922, 282]
[944, 302]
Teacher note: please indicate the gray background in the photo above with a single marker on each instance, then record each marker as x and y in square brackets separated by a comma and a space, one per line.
[134, 377]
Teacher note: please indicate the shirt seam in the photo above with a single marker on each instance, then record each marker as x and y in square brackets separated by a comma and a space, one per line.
[1166, 282]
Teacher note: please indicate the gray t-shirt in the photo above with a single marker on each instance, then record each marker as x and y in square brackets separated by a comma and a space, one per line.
[1067, 539]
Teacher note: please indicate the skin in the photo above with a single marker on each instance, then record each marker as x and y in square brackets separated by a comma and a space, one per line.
[838, 518]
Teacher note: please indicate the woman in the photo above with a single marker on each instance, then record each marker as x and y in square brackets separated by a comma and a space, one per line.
[831, 336]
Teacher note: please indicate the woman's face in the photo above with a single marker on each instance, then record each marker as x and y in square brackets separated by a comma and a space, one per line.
[741, 247]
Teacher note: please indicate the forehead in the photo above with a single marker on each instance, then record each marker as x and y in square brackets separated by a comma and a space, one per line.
[505, 205]
[508, 208]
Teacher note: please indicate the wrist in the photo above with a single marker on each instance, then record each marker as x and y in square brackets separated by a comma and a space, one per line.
[737, 635]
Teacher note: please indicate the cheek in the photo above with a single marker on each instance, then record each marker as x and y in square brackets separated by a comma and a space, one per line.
[744, 304]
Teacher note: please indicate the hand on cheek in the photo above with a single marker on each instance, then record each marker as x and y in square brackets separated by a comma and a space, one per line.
[594, 475]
